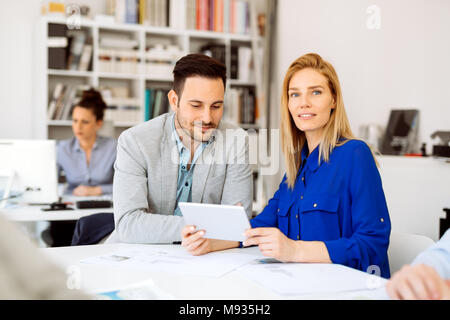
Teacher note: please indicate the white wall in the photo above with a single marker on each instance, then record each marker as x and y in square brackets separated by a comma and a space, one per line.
[18, 20]
[404, 64]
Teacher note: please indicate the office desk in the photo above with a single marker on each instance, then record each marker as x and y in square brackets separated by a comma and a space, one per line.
[33, 220]
[233, 285]
[34, 213]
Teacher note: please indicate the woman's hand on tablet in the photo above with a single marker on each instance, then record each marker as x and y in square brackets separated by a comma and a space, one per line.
[272, 243]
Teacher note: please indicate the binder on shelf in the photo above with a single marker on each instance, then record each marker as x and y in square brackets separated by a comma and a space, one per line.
[57, 46]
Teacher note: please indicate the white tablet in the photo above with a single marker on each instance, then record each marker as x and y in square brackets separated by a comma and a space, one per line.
[219, 221]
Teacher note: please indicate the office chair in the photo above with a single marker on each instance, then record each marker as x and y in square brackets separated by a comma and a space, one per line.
[404, 247]
[92, 229]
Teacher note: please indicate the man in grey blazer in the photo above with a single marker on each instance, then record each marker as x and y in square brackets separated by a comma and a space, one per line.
[188, 154]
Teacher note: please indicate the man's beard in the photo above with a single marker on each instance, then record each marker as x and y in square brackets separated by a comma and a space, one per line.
[195, 131]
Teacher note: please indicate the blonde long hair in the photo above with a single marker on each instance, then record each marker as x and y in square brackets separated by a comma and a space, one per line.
[337, 127]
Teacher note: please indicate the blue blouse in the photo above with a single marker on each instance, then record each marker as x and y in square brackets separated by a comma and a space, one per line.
[100, 171]
[340, 202]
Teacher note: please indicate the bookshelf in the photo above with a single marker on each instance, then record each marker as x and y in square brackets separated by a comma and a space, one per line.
[126, 74]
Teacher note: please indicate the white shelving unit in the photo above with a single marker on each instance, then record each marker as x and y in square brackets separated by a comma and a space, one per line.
[189, 41]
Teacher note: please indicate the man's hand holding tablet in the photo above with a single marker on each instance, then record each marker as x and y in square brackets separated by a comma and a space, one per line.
[195, 240]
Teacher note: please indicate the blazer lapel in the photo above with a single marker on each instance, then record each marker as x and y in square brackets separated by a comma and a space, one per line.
[170, 160]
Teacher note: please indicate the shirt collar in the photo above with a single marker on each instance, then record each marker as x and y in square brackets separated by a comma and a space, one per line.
[311, 160]
[77, 146]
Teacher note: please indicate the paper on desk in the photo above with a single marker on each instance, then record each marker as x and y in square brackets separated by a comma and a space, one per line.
[145, 290]
[292, 279]
[174, 259]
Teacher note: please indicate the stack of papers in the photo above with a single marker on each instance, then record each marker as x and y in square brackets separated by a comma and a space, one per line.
[174, 259]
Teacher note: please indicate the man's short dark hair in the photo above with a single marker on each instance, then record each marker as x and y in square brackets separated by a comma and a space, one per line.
[197, 65]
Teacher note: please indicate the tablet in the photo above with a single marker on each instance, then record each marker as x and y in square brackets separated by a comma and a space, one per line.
[221, 222]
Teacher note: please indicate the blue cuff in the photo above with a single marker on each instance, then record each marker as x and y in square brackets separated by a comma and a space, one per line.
[336, 251]
[240, 244]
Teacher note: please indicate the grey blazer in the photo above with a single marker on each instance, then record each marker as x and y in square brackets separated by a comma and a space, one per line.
[146, 176]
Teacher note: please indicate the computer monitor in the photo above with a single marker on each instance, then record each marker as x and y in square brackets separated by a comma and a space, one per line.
[31, 166]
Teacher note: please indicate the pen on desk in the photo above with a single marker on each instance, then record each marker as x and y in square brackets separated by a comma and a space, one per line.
[176, 242]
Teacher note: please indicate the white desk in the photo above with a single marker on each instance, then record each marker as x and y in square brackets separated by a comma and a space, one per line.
[233, 285]
[34, 213]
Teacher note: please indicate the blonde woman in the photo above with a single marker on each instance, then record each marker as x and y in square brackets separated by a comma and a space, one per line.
[330, 206]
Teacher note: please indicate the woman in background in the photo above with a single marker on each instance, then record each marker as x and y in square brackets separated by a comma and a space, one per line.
[86, 159]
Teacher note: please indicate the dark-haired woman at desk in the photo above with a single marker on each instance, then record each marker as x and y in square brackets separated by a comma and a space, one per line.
[86, 159]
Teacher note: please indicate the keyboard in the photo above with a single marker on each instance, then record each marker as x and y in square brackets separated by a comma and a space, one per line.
[93, 204]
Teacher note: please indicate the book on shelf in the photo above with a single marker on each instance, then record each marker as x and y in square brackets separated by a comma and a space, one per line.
[64, 113]
[177, 14]
[59, 103]
[148, 12]
[129, 114]
[148, 106]
[207, 15]
[191, 14]
[241, 106]
[131, 11]
[59, 88]
[85, 59]
[63, 99]
[241, 64]
[214, 50]
[245, 64]
[118, 41]
[156, 102]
